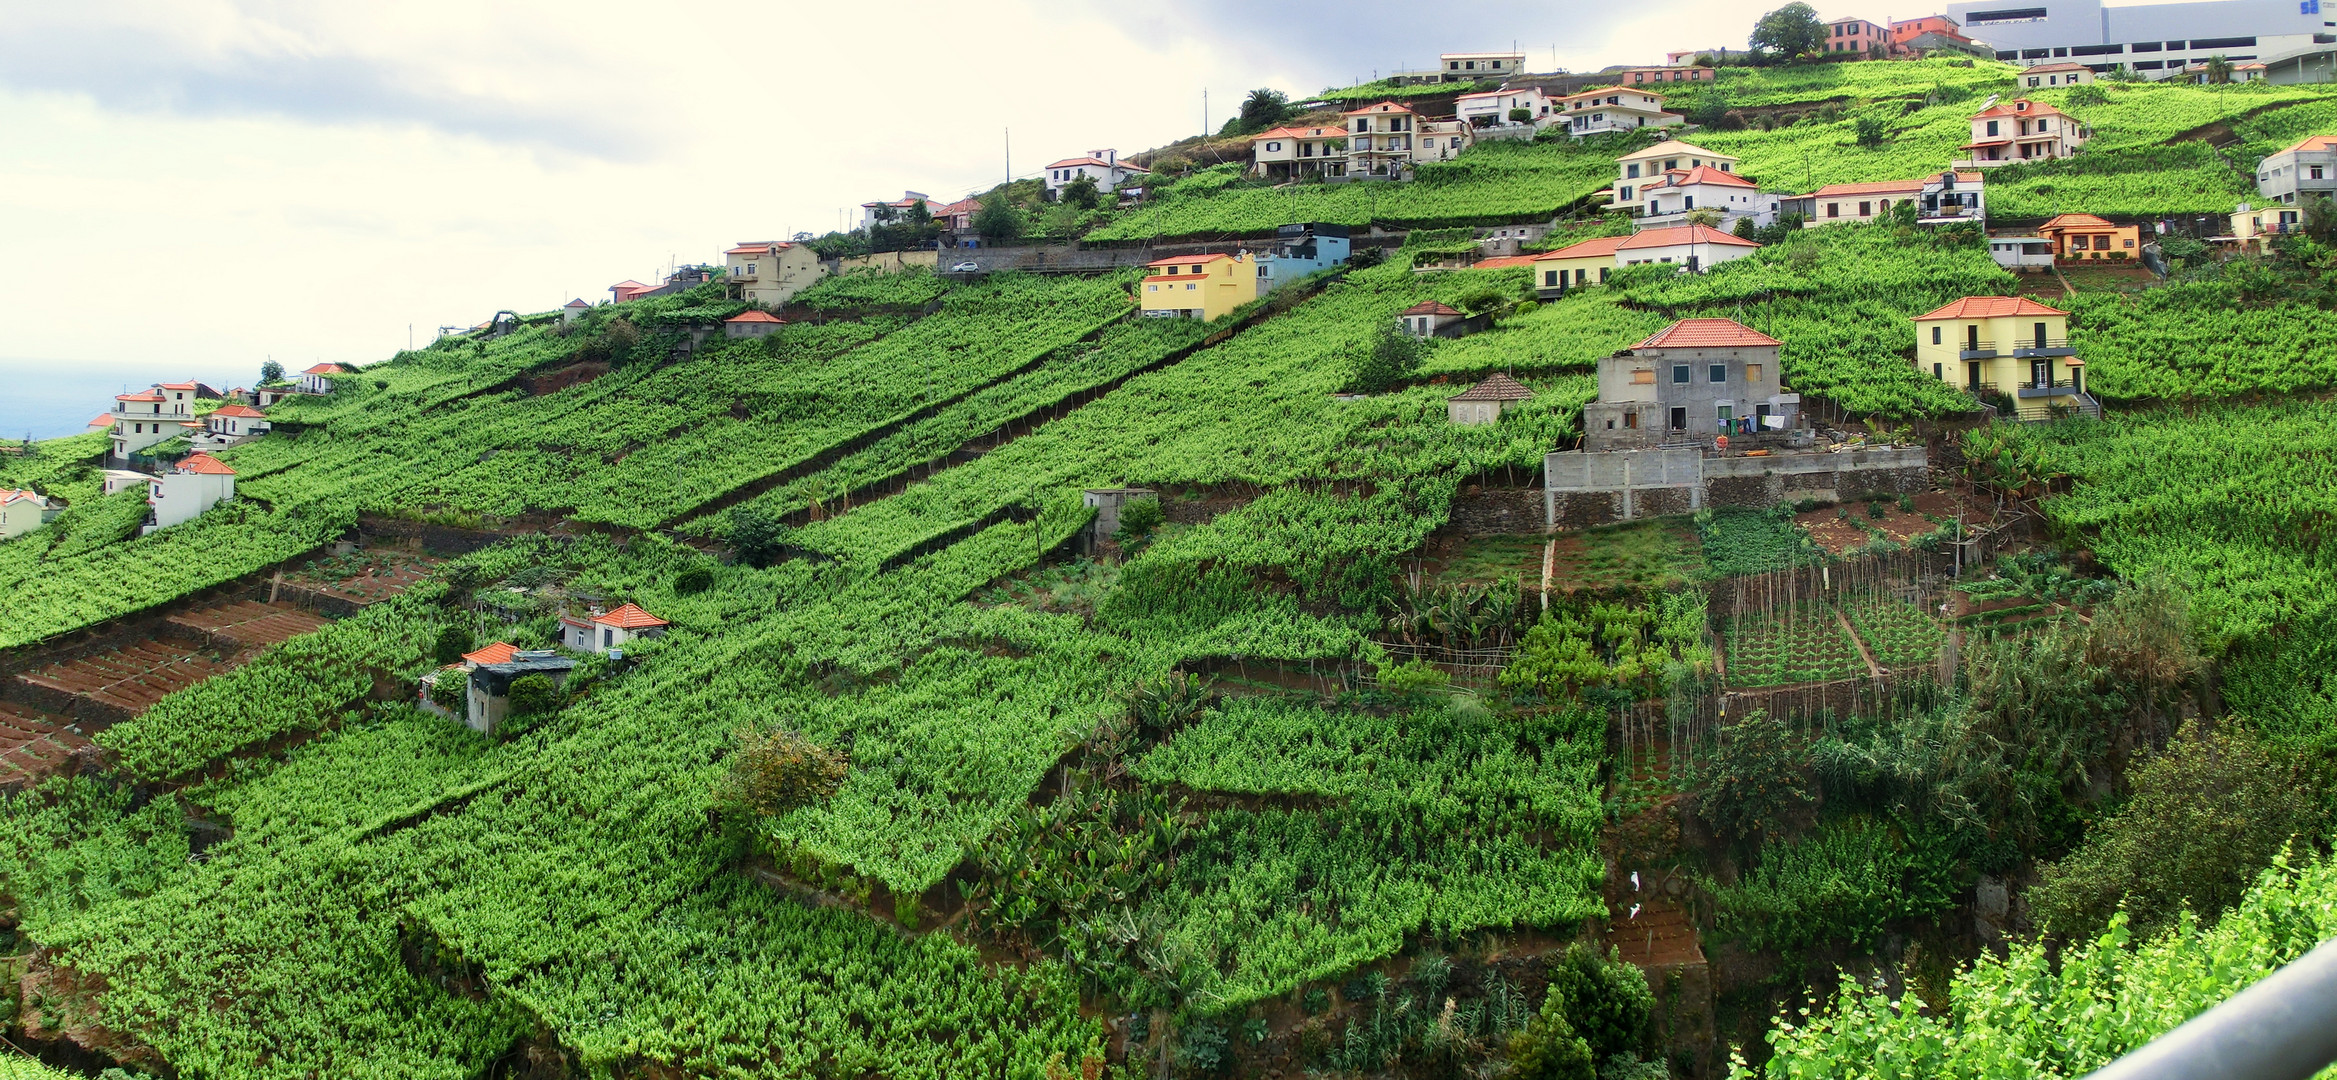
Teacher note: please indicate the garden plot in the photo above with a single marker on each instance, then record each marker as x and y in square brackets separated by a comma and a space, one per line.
[1898, 633]
[1654, 555]
[1790, 646]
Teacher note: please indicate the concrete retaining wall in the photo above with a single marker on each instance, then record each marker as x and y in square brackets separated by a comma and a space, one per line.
[1583, 488]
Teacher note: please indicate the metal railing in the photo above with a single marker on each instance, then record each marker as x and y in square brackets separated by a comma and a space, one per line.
[2041, 346]
[1976, 350]
[2278, 1029]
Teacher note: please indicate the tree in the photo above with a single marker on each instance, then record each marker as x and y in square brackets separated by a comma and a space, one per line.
[2219, 70]
[757, 537]
[1138, 517]
[694, 578]
[999, 218]
[2320, 217]
[2207, 815]
[1547, 1047]
[1752, 783]
[1705, 216]
[1871, 131]
[1264, 108]
[1711, 111]
[777, 770]
[919, 213]
[1081, 192]
[1393, 357]
[1607, 1001]
[271, 372]
[453, 642]
[1789, 32]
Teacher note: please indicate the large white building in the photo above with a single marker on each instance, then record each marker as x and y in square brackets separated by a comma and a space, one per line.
[197, 483]
[2151, 39]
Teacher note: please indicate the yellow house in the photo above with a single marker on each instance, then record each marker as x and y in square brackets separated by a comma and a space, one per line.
[769, 272]
[2010, 346]
[1575, 266]
[1198, 286]
[21, 512]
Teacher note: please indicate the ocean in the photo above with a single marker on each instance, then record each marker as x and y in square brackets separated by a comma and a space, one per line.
[48, 399]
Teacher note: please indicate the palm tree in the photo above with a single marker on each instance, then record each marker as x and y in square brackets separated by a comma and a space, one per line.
[2219, 70]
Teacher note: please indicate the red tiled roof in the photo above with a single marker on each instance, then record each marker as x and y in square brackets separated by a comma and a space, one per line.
[1617, 90]
[138, 397]
[177, 385]
[1706, 174]
[2052, 68]
[1089, 160]
[1429, 308]
[755, 317]
[2315, 142]
[1683, 234]
[629, 617]
[328, 369]
[2010, 108]
[628, 283]
[751, 247]
[1496, 387]
[1382, 107]
[204, 464]
[239, 410]
[578, 302]
[2075, 221]
[1502, 262]
[1706, 333]
[498, 653]
[1989, 307]
[1187, 260]
[1597, 248]
[12, 494]
[1877, 187]
[103, 420]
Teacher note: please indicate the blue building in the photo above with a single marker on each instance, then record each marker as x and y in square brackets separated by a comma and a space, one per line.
[1300, 250]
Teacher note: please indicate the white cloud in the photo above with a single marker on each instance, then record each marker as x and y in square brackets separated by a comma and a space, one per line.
[220, 180]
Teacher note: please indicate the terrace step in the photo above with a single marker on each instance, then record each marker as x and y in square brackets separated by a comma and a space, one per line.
[249, 624]
[35, 745]
[131, 678]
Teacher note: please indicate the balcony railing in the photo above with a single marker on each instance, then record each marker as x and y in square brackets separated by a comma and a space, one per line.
[2278, 1029]
[1977, 350]
[2047, 389]
[2044, 347]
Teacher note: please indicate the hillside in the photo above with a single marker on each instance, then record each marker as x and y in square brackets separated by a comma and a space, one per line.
[1345, 765]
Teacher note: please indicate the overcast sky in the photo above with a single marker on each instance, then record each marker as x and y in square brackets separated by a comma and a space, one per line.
[217, 181]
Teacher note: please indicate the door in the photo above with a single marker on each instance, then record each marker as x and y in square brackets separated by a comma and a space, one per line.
[1972, 339]
[1972, 375]
[2041, 372]
[2040, 334]
[1680, 419]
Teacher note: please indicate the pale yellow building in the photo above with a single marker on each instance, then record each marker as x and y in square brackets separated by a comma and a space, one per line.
[1203, 287]
[21, 512]
[768, 272]
[1576, 266]
[1635, 171]
[2009, 346]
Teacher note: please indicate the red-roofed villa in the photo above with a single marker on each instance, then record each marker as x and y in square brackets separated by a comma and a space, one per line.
[1687, 384]
[752, 324]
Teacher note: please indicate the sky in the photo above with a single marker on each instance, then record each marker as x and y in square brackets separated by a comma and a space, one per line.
[206, 184]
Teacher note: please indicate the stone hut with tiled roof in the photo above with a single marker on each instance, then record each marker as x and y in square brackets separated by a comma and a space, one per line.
[1485, 402]
[1689, 383]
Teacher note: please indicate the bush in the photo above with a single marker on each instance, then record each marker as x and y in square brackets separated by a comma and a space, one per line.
[776, 771]
[2207, 815]
[1547, 1048]
[452, 692]
[453, 642]
[1138, 518]
[1752, 783]
[757, 537]
[1608, 1001]
[1521, 116]
[1414, 678]
[1393, 357]
[694, 578]
[533, 695]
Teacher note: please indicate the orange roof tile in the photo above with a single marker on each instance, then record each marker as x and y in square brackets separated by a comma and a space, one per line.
[1597, 248]
[1382, 107]
[1683, 234]
[629, 617]
[1706, 333]
[498, 653]
[1496, 387]
[177, 385]
[239, 410]
[10, 495]
[204, 464]
[2015, 108]
[1502, 262]
[755, 247]
[1877, 187]
[2315, 142]
[1088, 160]
[2075, 221]
[1706, 174]
[1187, 260]
[1989, 307]
[138, 397]
[103, 420]
[1430, 307]
[755, 317]
[328, 369]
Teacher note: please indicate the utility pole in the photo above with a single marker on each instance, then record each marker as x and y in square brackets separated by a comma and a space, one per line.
[1009, 154]
[1205, 112]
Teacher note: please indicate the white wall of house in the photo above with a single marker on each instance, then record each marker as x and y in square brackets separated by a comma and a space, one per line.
[179, 497]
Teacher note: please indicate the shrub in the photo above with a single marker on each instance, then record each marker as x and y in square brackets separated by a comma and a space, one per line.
[2207, 815]
[776, 771]
[452, 692]
[1138, 518]
[1414, 678]
[1521, 116]
[694, 578]
[757, 537]
[1393, 357]
[533, 695]
[1608, 1001]
[1547, 1048]
[1752, 783]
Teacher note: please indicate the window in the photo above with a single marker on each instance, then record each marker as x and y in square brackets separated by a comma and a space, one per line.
[1550, 279]
[1679, 373]
[1671, 163]
[1602, 273]
[2317, 172]
[2032, 80]
[1679, 419]
[1752, 373]
[1724, 166]
[1190, 286]
[1152, 288]
[1833, 210]
[1992, 129]
[1726, 413]
[2129, 241]
[1631, 420]
[1938, 371]
[1720, 373]
[1630, 172]
[1935, 335]
[1865, 209]
[1273, 148]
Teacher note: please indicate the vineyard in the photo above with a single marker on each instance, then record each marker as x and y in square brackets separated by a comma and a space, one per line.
[1331, 761]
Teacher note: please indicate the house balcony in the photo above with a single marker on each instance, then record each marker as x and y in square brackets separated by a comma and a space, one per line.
[1977, 350]
[2057, 388]
[2045, 347]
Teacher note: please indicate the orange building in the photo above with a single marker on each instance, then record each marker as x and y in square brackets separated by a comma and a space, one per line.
[2086, 237]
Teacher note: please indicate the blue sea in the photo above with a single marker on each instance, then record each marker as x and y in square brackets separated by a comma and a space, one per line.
[48, 399]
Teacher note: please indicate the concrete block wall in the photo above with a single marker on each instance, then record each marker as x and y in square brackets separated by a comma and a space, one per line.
[1594, 488]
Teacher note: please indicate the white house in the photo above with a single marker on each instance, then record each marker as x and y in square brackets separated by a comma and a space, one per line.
[1614, 108]
[1424, 320]
[1380, 140]
[1697, 247]
[197, 483]
[1679, 191]
[1485, 402]
[319, 379]
[1288, 152]
[232, 423]
[1101, 166]
[882, 213]
[2021, 130]
[601, 631]
[1635, 170]
[1495, 108]
[573, 310]
[752, 324]
[21, 512]
[2021, 253]
[1443, 140]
